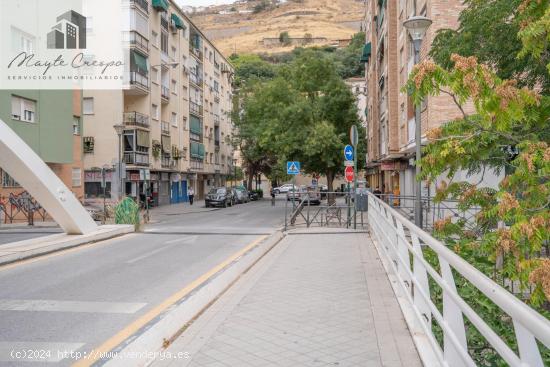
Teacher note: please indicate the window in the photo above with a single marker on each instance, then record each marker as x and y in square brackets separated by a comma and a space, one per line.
[155, 112]
[76, 125]
[77, 177]
[164, 42]
[155, 39]
[8, 181]
[174, 119]
[174, 87]
[88, 106]
[155, 75]
[173, 54]
[23, 109]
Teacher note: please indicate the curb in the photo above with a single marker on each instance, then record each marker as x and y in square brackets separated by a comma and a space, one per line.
[41, 246]
[158, 334]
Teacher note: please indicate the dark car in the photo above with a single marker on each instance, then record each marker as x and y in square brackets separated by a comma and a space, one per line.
[242, 194]
[253, 195]
[220, 196]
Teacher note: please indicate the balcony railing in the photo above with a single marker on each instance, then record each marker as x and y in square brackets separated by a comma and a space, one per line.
[164, 23]
[195, 79]
[165, 92]
[196, 52]
[136, 158]
[165, 128]
[216, 120]
[167, 162]
[143, 4]
[139, 79]
[196, 165]
[195, 108]
[136, 119]
[136, 40]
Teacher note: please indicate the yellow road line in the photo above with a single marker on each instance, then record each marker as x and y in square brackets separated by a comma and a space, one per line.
[132, 328]
[64, 252]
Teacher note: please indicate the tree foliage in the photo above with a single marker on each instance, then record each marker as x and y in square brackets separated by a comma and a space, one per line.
[509, 131]
[489, 31]
[304, 114]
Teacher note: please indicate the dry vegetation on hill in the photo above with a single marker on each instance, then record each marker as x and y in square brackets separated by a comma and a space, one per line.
[244, 32]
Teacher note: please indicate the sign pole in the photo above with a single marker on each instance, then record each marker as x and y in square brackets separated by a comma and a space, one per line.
[354, 138]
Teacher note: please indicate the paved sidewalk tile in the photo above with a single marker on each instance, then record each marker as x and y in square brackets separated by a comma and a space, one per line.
[315, 300]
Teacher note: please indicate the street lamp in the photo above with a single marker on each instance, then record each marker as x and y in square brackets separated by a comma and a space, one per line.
[417, 27]
[119, 130]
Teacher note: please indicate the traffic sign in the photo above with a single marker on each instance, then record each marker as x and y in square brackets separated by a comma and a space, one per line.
[350, 174]
[349, 163]
[354, 136]
[348, 153]
[292, 168]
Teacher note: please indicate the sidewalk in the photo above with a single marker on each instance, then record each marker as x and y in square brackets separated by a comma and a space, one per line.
[315, 300]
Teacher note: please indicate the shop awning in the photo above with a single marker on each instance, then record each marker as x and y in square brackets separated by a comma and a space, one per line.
[161, 5]
[177, 21]
[367, 50]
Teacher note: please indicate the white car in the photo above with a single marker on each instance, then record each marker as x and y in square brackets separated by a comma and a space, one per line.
[283, 189]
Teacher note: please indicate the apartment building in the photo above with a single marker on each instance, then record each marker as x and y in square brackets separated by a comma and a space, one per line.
[389, 59]
[175, 112]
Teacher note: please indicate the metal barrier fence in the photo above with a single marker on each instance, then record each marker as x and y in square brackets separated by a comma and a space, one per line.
[22, 204]
[432, 211]
[327, 209]
[405, 247]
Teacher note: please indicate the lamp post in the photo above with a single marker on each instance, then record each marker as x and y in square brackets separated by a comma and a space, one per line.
[417, 27]
[119, 130]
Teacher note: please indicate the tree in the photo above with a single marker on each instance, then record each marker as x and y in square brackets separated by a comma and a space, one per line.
[284, 38]
[250, 68]
[509, 131]
[488, 30]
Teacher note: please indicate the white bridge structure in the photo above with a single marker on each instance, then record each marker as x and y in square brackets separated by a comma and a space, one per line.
[30, 171]
[401, 244]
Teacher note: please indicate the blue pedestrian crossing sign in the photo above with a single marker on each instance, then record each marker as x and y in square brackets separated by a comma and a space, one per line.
[292, 168]
[348, 153]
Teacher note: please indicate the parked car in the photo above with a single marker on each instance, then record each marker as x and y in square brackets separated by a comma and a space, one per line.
[220, 196]
[283, 189]
[242, 195]
[253, 195]
[310, 193]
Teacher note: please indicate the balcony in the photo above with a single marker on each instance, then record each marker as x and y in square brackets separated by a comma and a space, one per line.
[165, 94]
[164, 23]
[165, 128]
[136, 119]
[196, 79]
[196, 52]
[216, 120]
[196, 165]
[141, 4]
[167, 162]
[136, 40]
[195, 109]
[139, 83]
[136, 158]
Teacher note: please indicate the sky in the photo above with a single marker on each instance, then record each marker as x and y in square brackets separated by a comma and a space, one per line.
[203, 2]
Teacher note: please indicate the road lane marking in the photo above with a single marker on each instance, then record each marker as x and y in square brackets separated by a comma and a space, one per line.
[184, 239]
[64, 252]
[69, 306]
[150, 253]
[21, 352]
[143, 320]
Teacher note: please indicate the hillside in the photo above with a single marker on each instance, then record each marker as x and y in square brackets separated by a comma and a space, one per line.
[235, 28]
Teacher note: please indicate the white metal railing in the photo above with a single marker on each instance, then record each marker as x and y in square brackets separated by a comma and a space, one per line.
[400, 241]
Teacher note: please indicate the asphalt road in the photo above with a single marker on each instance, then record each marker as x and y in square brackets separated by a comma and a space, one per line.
[74, 301]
